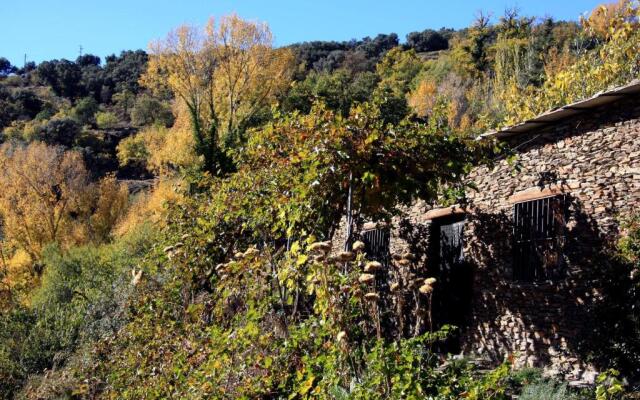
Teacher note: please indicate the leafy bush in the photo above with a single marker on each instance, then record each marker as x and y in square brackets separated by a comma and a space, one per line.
[630, 245]
[85, 110]
[93, 280]
[547, 390]
[106, 120]
[81, 299]
[312, 333]
[47, 112]
[609, 386]
[62, 132]
[14, 328]
[526, 376]
[150, 111]
[32, 340]
[427, 40]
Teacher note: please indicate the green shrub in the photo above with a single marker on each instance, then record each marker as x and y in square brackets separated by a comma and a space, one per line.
[232, 343]
[493, 385]
[62, 132]
[14, 328]
[84, 111]
[547, 390]
[51, 338]
[81, 299]
[630, 245]
[32, 340]
[149, 111]
[48, 111]
[93, 281]
[609, 386]
[106, 120]
[526, 376]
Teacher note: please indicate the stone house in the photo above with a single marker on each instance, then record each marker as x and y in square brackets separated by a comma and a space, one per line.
[518, 263]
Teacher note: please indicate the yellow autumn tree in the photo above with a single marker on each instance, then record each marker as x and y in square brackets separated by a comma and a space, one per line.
[398, 70]
[159, 149]
[151, 206]
[423, 98]
[225, 75]
[47, 197]
[609, 17]
[111, 199]
[43, 191]
[615, 61]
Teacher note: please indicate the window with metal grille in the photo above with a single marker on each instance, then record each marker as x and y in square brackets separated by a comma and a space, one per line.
[446, 242]
[539, 230]
[376, 242]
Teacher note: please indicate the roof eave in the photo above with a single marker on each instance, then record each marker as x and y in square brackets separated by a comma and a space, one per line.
[554, 116]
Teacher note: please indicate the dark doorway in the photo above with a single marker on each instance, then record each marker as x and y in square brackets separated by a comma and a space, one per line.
[452, 296]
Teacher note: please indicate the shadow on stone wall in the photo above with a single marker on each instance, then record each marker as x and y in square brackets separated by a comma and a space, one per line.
[416, 238]
[584, 318]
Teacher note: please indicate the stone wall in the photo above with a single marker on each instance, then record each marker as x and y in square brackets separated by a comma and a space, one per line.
[592, 159]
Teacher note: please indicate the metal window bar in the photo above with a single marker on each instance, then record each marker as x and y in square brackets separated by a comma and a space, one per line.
[376, 242]
[538, 233]
[451, 246]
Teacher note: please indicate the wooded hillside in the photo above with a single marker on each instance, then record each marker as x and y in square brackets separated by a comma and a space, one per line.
[166, 217]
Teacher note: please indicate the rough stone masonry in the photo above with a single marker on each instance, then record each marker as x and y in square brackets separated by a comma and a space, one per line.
[593, 161]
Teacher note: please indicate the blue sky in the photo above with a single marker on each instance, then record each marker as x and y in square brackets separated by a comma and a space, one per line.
[47, 29]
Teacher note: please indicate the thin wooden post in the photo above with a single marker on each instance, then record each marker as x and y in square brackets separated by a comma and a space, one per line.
[349, 216]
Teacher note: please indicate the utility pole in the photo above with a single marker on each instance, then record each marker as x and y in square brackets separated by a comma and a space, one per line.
[80, 51]
[24, 65]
